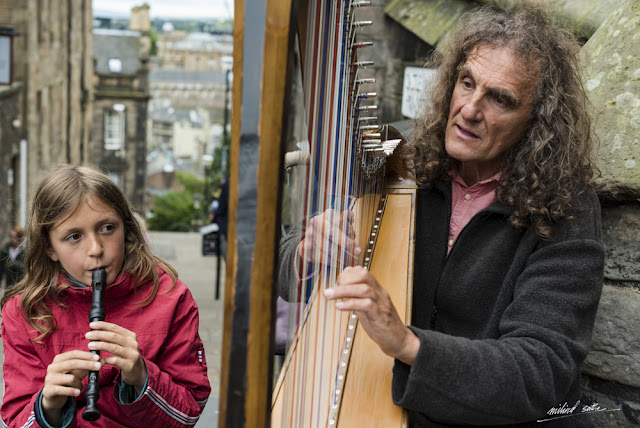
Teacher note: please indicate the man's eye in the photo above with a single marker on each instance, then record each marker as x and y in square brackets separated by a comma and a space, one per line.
[73, 237]
[503, 101]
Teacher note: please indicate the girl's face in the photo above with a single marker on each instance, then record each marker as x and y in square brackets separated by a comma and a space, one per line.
[91, 237]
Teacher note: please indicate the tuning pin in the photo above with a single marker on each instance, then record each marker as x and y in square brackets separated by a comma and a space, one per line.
[362, 23]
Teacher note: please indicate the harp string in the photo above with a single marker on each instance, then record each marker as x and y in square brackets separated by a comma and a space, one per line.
[335, 180]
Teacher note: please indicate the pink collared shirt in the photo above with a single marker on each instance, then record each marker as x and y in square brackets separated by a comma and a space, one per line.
[468, 201]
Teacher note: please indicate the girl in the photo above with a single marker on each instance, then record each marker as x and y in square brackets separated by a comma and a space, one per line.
[153, 371]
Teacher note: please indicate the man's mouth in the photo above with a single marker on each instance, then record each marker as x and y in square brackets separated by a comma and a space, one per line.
[463, 132]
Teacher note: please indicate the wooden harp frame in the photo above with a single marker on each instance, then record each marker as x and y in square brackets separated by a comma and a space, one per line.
[262, 42]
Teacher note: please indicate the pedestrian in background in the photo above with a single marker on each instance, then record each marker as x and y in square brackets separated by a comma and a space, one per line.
[12, 257]
[221, 216]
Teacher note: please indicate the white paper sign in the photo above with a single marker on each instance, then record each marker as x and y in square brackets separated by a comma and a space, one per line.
[416, 80]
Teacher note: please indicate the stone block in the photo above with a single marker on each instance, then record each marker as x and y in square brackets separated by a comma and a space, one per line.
[612, 76]
[621, 238]
[615, 351]
[619, 413]
[427, 19]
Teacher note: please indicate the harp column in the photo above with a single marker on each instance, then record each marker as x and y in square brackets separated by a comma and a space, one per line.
[261, 45]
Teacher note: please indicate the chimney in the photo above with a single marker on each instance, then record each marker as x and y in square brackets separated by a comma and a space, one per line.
[141, 22]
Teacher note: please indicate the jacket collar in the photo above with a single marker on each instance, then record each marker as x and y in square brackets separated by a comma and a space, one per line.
[123, 286]
[444, 188]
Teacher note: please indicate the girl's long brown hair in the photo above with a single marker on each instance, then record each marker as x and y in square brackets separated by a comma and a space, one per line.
[552, 162]
[56, 198]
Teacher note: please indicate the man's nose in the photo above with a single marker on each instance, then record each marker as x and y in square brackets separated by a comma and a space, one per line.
[472, 109]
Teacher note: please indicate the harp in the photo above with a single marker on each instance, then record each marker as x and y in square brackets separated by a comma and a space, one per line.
[332, 374]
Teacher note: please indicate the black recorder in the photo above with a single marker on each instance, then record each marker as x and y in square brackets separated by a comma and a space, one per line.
[97, 313]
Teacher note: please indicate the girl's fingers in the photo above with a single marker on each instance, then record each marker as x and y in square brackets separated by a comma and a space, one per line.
[123, 346]
[55, 396]
[124, 364]
[71, 366]
[73, 355]
[63, 379]
[125, 352]
[51, 391]
[119, 335]
[107, 326]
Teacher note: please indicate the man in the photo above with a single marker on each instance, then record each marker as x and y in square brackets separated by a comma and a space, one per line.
[12, 257]
[221, 217]
[508, 264]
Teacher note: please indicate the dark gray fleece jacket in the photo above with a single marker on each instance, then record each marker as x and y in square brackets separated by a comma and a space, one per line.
[504, 321]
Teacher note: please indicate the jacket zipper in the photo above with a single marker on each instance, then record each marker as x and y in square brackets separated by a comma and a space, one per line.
[434, 311]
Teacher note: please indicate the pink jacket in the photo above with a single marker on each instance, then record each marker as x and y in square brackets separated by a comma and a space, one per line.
[167, 330]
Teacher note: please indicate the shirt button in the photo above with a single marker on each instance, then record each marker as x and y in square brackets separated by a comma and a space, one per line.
[450, 242]
[467, 197]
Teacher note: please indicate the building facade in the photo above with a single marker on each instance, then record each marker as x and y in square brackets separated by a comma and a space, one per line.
[189, 90]
[121, 81]
[46, 113]
[178, 50]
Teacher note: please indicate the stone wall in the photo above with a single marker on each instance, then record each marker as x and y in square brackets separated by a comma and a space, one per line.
[612, 369]
[52, 61]
[9, 157]
[394, 48]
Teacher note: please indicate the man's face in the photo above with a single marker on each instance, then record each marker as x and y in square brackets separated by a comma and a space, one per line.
[15, 239]
[490, 107]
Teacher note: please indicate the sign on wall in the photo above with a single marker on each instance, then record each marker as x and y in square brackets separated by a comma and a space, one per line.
[416, 80]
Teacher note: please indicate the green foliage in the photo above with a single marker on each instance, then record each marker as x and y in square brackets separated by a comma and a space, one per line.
[177, 211]
[173, 212]
[153, 50]
[190, 182]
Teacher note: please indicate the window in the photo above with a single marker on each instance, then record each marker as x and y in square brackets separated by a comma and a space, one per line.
[114, 128]
[115, 65]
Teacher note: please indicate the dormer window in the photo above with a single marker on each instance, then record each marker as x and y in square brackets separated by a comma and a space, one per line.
[115, 65]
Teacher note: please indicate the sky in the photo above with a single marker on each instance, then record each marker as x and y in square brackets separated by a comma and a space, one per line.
[170, 8]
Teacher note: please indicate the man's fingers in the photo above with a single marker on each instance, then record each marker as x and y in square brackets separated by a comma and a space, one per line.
[355, 275]
[359, 305]
[353, 291]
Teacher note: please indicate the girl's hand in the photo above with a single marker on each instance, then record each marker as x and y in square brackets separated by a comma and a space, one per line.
[361, 292]
[123, 344]
[64, 379]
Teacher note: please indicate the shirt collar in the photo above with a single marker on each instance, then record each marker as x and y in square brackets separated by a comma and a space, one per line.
[494, 180]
